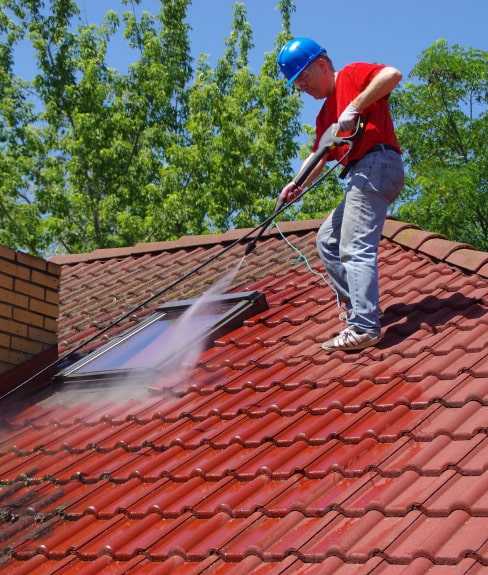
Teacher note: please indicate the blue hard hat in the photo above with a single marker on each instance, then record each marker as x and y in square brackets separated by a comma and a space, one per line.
[296, 55]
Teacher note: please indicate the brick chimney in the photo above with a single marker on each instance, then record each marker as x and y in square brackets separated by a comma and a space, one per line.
[28, 312]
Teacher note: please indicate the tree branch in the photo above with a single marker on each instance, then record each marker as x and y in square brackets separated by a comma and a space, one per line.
[459, 141]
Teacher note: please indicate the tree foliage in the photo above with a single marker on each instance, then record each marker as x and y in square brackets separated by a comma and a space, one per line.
[20, 149]
[443, 126]
[93, 157]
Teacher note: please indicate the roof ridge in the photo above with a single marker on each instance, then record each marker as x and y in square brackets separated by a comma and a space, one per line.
[189, 241]
[411, 236]
[437, 246]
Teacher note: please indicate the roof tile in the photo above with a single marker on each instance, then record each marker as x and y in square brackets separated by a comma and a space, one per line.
[413, 238]
[392, 227]
[483, 271]
[469, 259]
[440, 248]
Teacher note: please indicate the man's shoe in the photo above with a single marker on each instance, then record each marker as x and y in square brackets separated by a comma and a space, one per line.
[350, 340]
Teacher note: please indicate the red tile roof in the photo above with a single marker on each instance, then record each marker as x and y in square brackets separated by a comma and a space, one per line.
[276, 457]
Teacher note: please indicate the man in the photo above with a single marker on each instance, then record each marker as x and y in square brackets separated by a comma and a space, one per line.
[348, 240]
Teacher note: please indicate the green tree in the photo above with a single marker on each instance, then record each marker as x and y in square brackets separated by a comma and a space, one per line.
[241, 138]
[20, 222]
[111, 158]
[443, 127]
[103, 134]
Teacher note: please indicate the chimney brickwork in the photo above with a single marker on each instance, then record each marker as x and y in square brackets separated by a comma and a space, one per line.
[28, 307]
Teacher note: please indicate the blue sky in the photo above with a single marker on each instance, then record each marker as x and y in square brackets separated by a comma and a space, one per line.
[391, 32]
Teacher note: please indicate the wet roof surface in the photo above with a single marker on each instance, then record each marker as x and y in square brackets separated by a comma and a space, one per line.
[274, 457]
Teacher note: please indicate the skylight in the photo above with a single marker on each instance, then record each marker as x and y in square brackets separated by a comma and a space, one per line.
[140, 347]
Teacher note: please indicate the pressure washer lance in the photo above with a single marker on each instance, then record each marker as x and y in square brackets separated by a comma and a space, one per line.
[328, 141]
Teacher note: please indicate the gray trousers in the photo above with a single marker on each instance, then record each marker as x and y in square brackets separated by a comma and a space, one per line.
[348, 240]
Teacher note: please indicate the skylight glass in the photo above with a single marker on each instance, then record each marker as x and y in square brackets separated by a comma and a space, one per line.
[129, 354]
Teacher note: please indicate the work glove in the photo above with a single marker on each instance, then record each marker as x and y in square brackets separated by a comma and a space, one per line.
[348, 119]
[289, 193]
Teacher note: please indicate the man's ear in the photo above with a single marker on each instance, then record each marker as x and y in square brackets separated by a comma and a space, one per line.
[326, 63]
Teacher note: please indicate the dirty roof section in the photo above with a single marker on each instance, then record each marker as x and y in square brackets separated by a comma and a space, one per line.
[275, 458]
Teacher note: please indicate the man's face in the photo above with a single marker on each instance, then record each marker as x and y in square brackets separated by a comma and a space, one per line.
[317, 80]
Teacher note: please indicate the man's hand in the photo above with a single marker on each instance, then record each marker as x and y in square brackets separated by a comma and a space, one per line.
[348, 119]
[290, 192]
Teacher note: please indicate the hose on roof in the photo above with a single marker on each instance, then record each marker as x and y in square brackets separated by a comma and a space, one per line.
[326, 145]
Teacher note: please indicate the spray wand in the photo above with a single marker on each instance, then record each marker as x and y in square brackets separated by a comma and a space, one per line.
[328, 141]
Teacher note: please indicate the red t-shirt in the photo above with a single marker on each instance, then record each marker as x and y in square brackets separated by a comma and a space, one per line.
[351, 81]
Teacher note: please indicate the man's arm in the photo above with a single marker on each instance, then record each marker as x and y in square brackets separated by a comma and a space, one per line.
[379, 87]
[291, 190]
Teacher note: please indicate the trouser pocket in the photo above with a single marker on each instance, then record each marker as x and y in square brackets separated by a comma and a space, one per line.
[381, 173]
